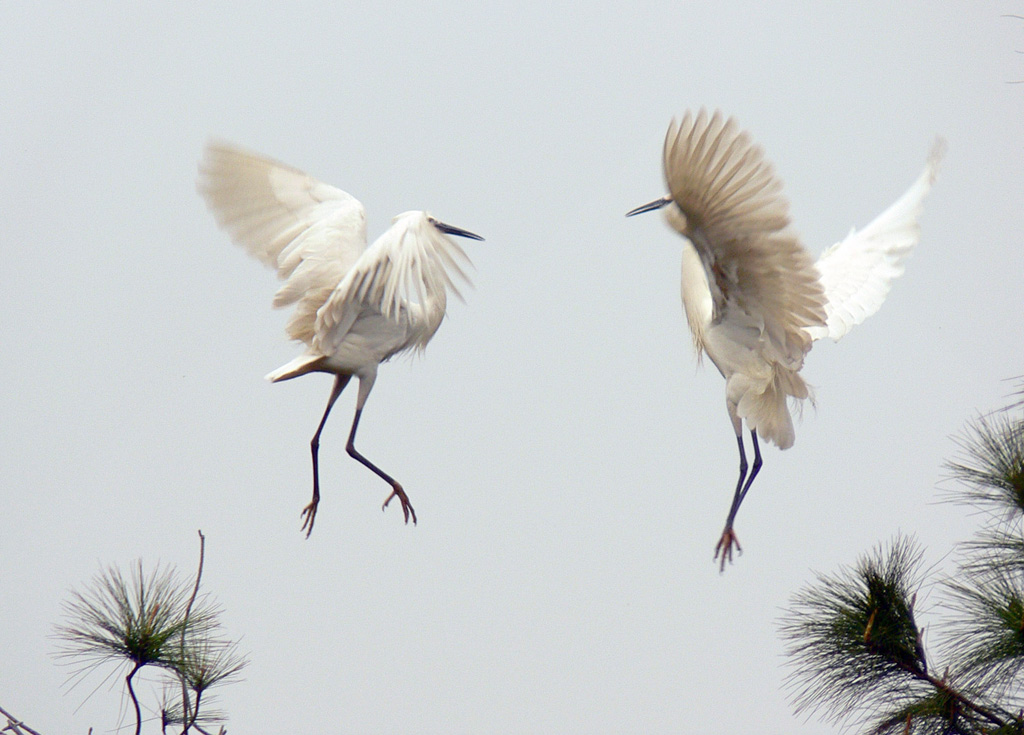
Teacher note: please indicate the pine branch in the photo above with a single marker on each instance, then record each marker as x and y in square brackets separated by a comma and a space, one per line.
[961, 699]
[152, 619]
[856, 646]
[135, 699]
[188, 716]
[16, 726]
[992, 469]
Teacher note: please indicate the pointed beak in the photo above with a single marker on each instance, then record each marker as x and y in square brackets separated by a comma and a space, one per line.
[650, 206]
[449, 230]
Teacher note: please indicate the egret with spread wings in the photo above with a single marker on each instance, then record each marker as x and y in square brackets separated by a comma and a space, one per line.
[754, 299]
[355, 307]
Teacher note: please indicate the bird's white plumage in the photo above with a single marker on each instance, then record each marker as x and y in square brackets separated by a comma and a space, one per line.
[746, 261]
[754, 299]
[737, 219]
[310, 232]
[404, 276]
[354, 306]
[857, 272]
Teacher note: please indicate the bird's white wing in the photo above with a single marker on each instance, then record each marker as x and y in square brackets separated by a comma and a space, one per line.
[404, 275]
[738, 220]
[858, 272]
[310, 232]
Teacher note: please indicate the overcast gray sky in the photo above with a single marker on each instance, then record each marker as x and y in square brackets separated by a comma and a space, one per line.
[570, 464]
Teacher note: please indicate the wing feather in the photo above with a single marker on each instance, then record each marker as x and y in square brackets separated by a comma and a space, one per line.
[858, 271]
[407, 269]
[310, 232]
[738, 220]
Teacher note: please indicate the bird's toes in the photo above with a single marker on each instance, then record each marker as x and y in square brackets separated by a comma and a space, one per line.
[723, 549]
[308, 517]
[407, 509]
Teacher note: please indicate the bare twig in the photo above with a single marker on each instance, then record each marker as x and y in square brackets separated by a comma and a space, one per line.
[189, 716]
[135, 700]
[16, 726]
[919, 673]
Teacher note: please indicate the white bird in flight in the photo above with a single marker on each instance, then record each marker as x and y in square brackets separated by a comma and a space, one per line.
[355, 307]
[754, 299]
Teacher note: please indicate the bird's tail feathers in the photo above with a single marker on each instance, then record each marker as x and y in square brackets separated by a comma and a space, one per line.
[301, 365]
[763, 403]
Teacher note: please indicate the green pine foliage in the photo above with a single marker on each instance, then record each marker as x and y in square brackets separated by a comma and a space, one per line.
[992, 472]
[857, 650]
[854, 636]
[152, 619]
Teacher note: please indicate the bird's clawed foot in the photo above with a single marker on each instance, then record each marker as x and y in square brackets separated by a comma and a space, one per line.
[724, 547]
[397, 490]
[309, 515]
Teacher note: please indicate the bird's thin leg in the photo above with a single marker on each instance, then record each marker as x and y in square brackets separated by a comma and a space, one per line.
[396, 489]
[728, 539]
[737, 497]
[754, 469]
[309, 512]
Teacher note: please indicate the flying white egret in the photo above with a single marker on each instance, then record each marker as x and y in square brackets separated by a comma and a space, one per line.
[754, 300]
[355, 307]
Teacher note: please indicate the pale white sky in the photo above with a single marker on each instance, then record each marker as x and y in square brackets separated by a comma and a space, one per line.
[570, 465]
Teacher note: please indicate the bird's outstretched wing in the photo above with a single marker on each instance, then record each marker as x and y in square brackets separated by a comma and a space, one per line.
[857, 272]
[738, 220]
[407, 269]
[310, 232]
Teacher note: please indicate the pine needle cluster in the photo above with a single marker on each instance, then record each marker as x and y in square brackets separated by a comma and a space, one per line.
[857, 651]
[152, 619]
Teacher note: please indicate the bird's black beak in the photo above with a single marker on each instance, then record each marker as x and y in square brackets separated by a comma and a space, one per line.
[650, 206]
[449, 230]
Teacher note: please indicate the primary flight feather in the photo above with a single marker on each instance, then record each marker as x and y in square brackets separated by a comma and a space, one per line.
[755, 300]
[355, 306]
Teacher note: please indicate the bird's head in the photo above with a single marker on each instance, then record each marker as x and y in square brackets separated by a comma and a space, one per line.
[417, 219]
[673, 214]
[451, 230]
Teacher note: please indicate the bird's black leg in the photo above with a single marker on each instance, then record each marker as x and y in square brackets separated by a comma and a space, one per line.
[309, 512]
[753, 473]
[737, 497]
[396, 489]
[728, 540]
